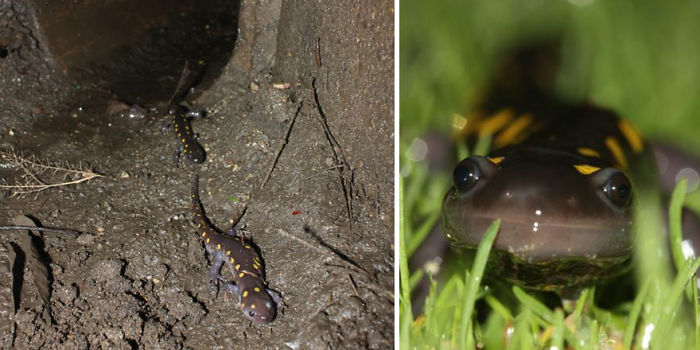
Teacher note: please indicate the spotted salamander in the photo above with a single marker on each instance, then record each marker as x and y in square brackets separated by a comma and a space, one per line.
[556, 176]
[179, 121]
[258, 302]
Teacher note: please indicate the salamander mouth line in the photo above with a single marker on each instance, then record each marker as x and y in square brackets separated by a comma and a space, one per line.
[541, 223]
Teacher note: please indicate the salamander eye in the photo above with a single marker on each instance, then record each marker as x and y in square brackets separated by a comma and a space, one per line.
[251, 313]
[618, 190]
[466, 175]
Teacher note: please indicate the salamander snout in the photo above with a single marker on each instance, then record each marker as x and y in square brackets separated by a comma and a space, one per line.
[258, 307]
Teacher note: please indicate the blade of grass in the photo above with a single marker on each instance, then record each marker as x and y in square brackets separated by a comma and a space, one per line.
[634, 314]
[419, 235]
[473, 281]
[670, 304]
[580, 304]
[674, 221]
[498, 307]
[415, 278]
[593, 340]
[405, 285]
[696, 309]
[559, 330]
[533, 304]
[522, 337]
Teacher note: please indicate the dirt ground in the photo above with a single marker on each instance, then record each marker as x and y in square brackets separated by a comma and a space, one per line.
[138, 278]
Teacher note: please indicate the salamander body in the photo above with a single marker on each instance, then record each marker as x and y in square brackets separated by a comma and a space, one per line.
[179, 121]
[258, 303]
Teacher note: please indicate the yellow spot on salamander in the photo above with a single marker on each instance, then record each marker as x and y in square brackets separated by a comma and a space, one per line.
[588, 152]
[616, 151]
[218, 246]
[204, 234]
[247, 246]
[257, 289]
[586, 169]
[245, 293]
[238, 267]
[495, 160]
[228, 252]
[252, 306]
[497, 121]
[513, 131]
[232, 261]
[242, 305]
[208, 239]
[199, 225]
[632, 136]
[240, 275]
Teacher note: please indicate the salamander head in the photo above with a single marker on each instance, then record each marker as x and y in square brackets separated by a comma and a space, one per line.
[257, 305]
[555, 211]
[195, 153]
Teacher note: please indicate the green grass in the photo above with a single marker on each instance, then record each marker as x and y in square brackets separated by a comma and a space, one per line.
[638, 58]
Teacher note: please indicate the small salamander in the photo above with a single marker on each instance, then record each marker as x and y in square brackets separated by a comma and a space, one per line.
[179, 120]
[258, 302]
[557, 178]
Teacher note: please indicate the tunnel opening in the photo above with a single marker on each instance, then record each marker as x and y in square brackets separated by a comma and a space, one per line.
[136, 49]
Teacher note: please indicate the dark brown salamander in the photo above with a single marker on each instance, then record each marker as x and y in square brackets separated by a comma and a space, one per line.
[258, 302]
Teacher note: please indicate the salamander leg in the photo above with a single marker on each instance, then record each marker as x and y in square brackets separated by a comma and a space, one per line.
[276, 297]
[167, 125]
[231, 288]
[176, 155]
[214, 271]
[233, 231]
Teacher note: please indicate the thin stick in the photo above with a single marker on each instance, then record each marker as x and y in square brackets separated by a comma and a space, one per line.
[284, 143]
[339, 157]
[37, 188]
[33, 168]
[322, 251]
[35, 228]
[354, 287]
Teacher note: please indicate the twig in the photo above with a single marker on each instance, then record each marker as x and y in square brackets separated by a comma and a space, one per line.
[318, 52]
[35, 228]
[32, 169]
[354, 287]
[339, 157]
[322, 251]
[284, 143]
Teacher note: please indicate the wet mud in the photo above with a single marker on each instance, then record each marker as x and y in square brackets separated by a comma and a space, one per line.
[298, 129]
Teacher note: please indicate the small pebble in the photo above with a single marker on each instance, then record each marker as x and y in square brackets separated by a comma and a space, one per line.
[85, 239]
